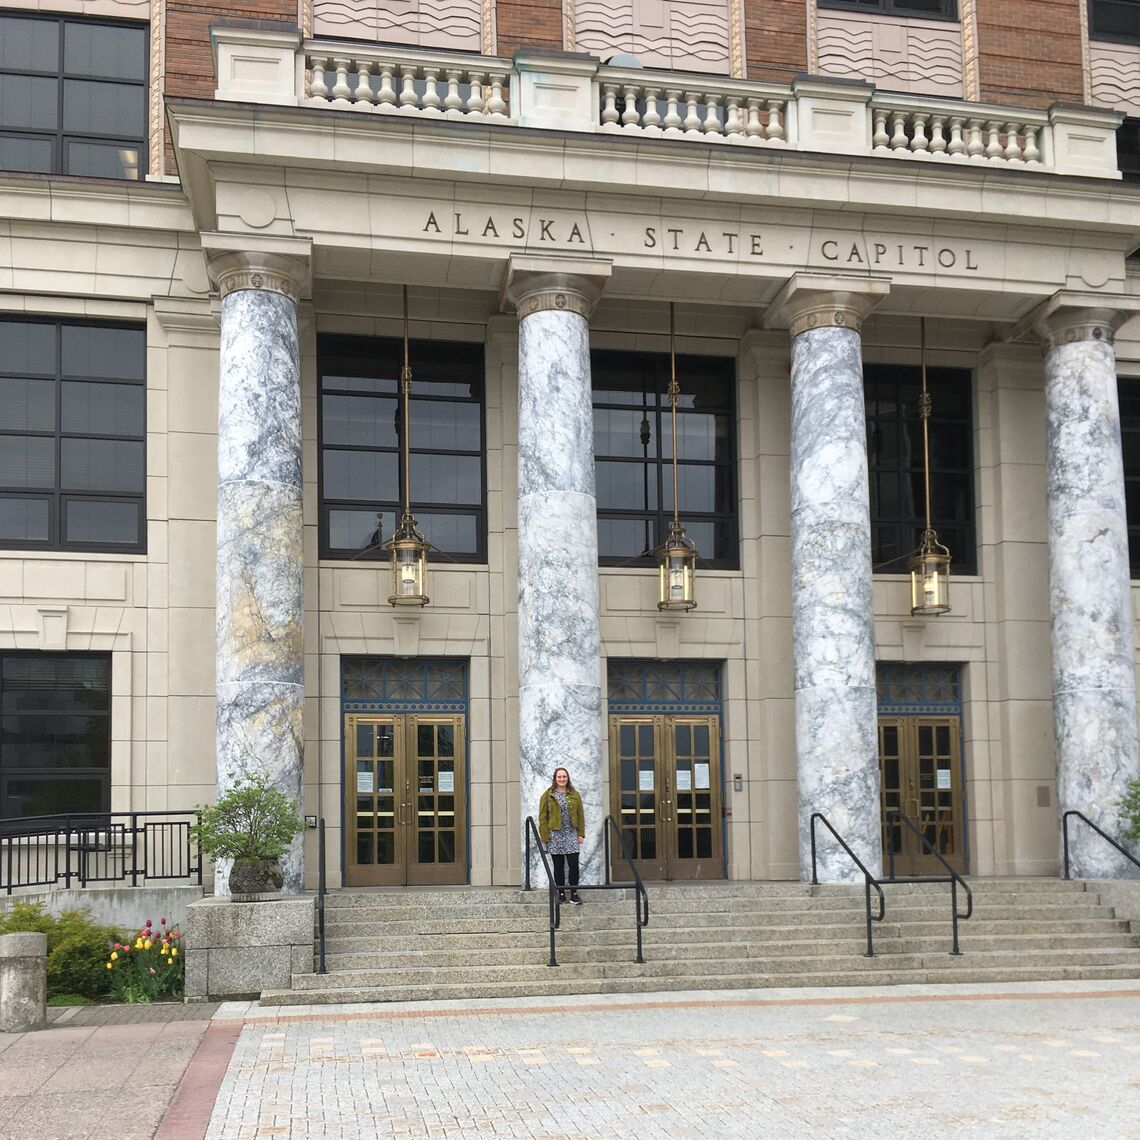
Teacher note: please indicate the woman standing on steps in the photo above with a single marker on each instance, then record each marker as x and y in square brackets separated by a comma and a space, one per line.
[562, 828]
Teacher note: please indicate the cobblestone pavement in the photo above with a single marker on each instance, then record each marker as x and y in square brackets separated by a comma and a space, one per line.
[1031, 1061]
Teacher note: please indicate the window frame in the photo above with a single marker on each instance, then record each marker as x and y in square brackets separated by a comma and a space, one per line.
[103, 775]
[1130, 427]
[60, 137]
[896, 8]
[687, 365]
[58, 498]
[964, 562]
[326, 343]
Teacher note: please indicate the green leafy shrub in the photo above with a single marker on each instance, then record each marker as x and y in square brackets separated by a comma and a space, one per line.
[1131, 807]
[253, 820]
[76, 945]
[151, 967]
[67, 999]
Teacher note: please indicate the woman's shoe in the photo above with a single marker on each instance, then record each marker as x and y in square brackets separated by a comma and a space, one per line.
[576, 898]
[561, 896]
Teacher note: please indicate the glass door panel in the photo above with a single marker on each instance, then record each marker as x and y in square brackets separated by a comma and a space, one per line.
[666, 790]
[634, 750]
[405, 805]
[919, 764]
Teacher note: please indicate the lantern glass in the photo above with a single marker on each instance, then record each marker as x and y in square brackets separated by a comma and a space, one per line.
[409, 568]
[677, 565]
[930, 582]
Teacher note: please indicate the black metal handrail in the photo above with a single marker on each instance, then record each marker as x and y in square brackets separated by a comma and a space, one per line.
[555, 905]
[1085, 819]
[869, 880]
[98, 847]
[640, 894]
[321, 967]
[952, 877]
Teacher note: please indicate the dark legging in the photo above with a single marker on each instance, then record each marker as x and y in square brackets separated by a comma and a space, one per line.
[560, 862]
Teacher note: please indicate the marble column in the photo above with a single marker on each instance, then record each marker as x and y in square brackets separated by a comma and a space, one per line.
[560, 695]
[833, 635]
[1094, 686]
[260, 565]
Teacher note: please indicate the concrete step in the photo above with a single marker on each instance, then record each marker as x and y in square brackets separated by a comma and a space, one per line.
[551, 984]
[536, 950]
[885, 961]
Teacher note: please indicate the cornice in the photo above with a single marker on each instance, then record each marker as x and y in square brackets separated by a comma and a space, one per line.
[313, 138]
[81, 201]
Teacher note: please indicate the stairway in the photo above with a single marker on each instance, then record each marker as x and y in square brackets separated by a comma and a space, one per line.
[408, 945]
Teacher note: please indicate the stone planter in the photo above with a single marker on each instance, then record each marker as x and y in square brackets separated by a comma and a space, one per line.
[252, 880]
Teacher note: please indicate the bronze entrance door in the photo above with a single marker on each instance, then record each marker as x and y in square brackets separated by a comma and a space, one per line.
[919, 767]
[665, 782]
[405, 799]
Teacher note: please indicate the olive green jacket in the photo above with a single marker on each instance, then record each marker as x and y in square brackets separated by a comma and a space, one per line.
[550, 814]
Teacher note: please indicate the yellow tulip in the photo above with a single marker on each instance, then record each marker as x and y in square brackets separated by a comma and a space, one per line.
[138, 943]
[146, 944]
[114, 955]
[174, 952]
[110, 965]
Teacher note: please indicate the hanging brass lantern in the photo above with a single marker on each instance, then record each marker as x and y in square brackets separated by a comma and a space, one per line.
[930, 563]
[677, 555]
[407, 547]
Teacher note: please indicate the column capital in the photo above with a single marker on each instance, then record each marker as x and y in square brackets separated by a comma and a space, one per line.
[253, 261]
[567, 284]
[824, 300]
[1068, 317]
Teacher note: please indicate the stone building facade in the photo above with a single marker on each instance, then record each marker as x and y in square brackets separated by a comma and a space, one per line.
[208, 216]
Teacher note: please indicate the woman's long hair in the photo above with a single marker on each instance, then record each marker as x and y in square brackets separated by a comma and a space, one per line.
[553, 778]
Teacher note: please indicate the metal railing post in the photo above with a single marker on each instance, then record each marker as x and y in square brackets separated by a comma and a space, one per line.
[867, 905]
[811, 829]
[134, 848]
[954, 906]
[526, 861]
[321, 967]
[1065, 840]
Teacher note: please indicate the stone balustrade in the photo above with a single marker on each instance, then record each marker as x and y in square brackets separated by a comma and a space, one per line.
[402, 81]
[689, 106]
[576, 94]
[949, 130]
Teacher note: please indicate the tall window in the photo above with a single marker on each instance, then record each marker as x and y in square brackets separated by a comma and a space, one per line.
[72, 96]
[935, 9]
[634, 455]
[55, 733]
[894, 452]
[72, 436]
[1129, 391]
[1115, 20]
[362, 478]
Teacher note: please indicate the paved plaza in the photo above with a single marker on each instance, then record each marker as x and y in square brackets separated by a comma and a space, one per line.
[1028, 1061]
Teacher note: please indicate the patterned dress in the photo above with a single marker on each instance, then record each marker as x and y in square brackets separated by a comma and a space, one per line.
[564, 841]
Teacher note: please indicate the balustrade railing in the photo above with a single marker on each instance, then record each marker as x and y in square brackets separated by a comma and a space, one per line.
[578, 95]
[687, 106]
[910, 128]
[404, 82]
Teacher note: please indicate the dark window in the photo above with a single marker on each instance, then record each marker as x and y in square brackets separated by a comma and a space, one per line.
[1128, 149]
[72, 436]
[72, 96]
[361, 476]
[55, 733]
[633, 456]
[1129, 390]
[933, 9]
[894, 454]
[1115, 20]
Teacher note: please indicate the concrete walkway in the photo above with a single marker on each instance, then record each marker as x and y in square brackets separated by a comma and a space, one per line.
[1031, 1060]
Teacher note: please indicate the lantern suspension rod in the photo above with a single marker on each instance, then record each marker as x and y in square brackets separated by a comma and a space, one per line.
[406, 391]
[674, 393]
[924, 413]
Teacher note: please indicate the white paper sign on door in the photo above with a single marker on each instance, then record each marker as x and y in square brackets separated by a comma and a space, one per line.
[943, 779]
[447, 781]
[701, 772]
[365, 782]
[684, 780]
[645, 780]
